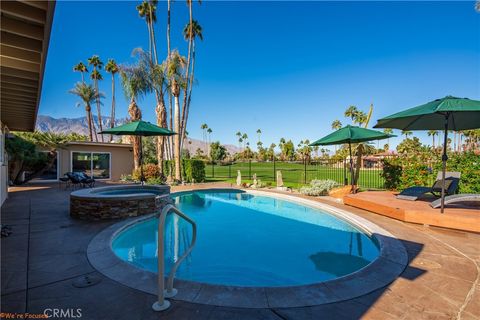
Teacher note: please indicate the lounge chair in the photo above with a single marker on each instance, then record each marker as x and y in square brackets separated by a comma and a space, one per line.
[451, 185]
[74, 179]
[455, 198]
[86, 180]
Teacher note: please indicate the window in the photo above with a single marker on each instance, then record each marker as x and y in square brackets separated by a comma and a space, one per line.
[49, 172]
[95, 164]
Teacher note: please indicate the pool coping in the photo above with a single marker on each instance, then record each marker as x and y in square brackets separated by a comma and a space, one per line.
[391, 262]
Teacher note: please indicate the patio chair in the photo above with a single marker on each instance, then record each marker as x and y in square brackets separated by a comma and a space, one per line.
[451, 185]
[74, 179]
[86, 180]
[456, 198]
[64, 180]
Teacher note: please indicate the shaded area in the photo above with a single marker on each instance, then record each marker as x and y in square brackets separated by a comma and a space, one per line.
[338, 264]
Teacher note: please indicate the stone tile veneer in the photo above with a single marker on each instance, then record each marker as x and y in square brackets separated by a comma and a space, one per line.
[95, 204]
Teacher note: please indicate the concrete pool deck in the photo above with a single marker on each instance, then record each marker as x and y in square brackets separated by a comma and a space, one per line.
[44, 260]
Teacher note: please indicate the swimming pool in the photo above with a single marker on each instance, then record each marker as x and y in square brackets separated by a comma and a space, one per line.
[250, 240]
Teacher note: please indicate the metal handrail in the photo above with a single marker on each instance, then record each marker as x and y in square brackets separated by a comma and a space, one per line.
[163, 304]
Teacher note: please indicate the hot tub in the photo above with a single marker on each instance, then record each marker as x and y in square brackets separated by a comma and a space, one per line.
[116, 202]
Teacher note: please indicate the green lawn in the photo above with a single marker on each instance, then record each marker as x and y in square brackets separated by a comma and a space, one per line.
[293, 173]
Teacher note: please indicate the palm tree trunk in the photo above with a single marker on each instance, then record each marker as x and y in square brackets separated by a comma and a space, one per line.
[161, 122]
[189, 99]
[154, 46]
[170, 142]
[189, 56]
[149, 39]
[99, 111]
[89, 120]
[177, 139]
[358, 163]
[135, 114]
[112, 115]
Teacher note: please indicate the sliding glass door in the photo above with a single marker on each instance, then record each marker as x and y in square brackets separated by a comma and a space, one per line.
[95, 164]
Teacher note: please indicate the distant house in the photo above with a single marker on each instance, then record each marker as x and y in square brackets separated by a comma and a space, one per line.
[374, 161]
[103, 161]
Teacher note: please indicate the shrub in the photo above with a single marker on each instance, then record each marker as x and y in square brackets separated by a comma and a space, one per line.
[319, 187]
[192, 169]
[126, 177]
[468, 164]
[156, 181]
[420, 169]
[150, 171]
[392, 173]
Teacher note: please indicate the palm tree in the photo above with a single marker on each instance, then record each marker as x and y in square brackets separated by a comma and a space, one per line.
[239, 136]
[112, 68]
[147, 10]
[155, 76]
[407, 133]
[88, 95]
[191, 31]
[134, 85]
[175, 74]
[95, 75]
[240, 140]
[244, 138]
[204, 128]
[259, 133]
[336, 125]
[433, 133]
[351, 112]
[388, 131]
[360, 118]
[80, 67]
[209, 132]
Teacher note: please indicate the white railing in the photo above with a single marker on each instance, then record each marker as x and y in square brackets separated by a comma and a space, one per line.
[163, 304]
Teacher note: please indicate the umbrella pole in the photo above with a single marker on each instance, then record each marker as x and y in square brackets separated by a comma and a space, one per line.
[141, 161]
[351, 167]
[444, 162]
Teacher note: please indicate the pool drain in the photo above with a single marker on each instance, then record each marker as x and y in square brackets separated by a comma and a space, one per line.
[86, 281]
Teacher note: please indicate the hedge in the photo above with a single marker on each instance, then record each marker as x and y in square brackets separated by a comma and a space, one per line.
[421, 170]
[192, 169]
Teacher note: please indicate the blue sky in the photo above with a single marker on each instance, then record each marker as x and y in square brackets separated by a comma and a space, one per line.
[288, 68]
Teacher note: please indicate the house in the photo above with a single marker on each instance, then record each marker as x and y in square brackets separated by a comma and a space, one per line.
[101, 160]
[25, 38]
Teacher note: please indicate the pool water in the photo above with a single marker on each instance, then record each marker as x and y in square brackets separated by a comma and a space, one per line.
[250, 240]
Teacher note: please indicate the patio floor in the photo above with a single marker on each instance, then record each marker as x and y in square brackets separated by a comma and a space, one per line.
[456, 216]
[46, 254]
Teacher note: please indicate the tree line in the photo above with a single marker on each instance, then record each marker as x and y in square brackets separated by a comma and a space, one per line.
[170, 80]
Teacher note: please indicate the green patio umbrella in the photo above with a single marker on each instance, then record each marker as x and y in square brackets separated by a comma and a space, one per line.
[142, 129]
[351, 134]
[449, 113]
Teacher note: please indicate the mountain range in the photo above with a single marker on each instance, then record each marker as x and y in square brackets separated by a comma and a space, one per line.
[80, 126]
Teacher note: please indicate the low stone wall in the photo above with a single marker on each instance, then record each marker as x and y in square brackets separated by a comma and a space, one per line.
[91, 204]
